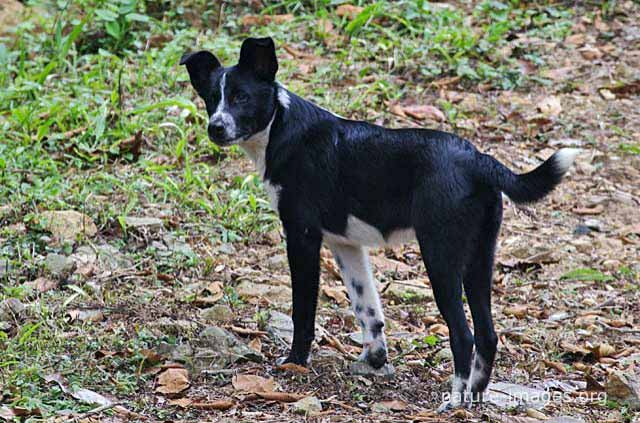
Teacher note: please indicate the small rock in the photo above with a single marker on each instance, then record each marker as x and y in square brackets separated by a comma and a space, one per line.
[564, 419]
[11, 308]
[59, 266]
[625, 388]
[223, 348]
[356, 338]
[67, 225]
[277, 294]
[181, 353]
[510, 395]
[173, 327]
[111, 259]
[228, 249]
[308, 406]
[218, 313]
[178, 245]
[581, 230]
[409, 292]
[444, 354]
[143, 223]
[594, 224]
[361, 368]
[280, 326]
[278, 261]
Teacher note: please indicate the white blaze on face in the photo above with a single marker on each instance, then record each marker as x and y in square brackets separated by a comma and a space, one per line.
[222, 116]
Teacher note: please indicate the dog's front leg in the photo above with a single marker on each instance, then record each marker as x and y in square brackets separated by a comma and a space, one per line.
[303, 251]
[365, 301]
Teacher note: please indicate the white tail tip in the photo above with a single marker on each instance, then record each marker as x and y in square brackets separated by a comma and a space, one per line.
[565, 157]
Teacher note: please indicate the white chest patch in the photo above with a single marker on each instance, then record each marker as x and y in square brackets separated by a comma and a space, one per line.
[273, 192]
[359, 232]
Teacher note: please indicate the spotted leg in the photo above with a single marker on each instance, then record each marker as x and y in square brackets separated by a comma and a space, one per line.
[365, 301]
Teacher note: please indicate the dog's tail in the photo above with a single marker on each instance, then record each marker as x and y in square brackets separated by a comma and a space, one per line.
[527, 187]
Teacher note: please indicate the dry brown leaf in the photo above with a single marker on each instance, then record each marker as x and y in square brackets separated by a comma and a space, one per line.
[585, 211]
[293, 368]
[280, 396]
[550, 106]
[424, 111]
[245, 331]
[253, 383]
[256, 344]
[336, 293]
[150, 356]
[202, 405]
[259, 20]
[555, 365]
[85, 315]
[603, 350]
[213, 405]
[43, 284]
[590, 53]
[575, 39]
[173, 381]
[439, 329]
[348, 10]
[394, 405]
[181, 402]
[518, 311]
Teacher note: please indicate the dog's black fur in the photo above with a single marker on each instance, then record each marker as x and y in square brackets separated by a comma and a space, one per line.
[327, 168]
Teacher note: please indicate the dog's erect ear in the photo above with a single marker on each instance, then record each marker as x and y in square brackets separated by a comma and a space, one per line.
[259, 56]
[200, 65]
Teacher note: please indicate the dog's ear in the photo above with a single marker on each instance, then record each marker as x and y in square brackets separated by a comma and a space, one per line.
[200, 65]
[259, 56]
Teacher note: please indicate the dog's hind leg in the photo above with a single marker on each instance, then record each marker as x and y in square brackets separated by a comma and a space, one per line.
[477, 284]
[443, 251]
[365, 301]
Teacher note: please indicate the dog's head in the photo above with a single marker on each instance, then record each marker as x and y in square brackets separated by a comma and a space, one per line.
[240, 99]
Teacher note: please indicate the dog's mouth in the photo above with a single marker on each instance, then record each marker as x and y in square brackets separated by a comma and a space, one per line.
[232, 141]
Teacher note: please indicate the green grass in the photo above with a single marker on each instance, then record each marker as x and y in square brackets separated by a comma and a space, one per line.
[79, 80]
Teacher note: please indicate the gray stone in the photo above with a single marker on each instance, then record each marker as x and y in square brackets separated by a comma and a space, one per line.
[564, 419]
[222, 347]
[182, 353]
[219, 313]
[178, 245]
[276, 294]
[356, 338]
[624, 388]
[59, 266]
[174, 327]
[143, 223]
[11, 309]
[362, 368]
[308, 406]
[404, 293]
[510, 396]
[228, 249]
[280, 326]
[444, 354]
[111, 259]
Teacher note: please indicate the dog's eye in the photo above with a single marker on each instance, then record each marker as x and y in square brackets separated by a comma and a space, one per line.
[240, 98]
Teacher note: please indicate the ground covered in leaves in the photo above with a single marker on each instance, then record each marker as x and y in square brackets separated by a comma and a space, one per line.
[143, 275]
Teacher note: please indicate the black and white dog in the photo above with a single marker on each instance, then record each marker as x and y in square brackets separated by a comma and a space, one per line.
[354, 185]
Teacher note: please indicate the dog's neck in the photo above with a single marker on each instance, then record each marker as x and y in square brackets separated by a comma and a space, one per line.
[256, 147]
[292, 114]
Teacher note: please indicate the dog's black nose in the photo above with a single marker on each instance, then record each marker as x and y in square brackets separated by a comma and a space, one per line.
[216, 131]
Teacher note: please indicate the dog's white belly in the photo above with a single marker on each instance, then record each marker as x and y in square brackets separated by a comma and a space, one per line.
[359, 232]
